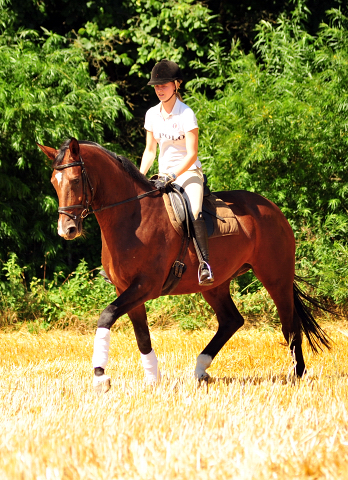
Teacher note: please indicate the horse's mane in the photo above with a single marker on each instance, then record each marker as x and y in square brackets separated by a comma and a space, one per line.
[127, 165]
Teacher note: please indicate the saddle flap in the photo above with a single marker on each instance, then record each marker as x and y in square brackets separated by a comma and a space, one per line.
[176, 201]
[219, 218]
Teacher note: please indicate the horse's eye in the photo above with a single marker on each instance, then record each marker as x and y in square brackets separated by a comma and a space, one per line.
[76, 181]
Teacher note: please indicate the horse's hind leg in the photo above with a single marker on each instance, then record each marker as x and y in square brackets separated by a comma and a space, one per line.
[229, 320]
[280, 288]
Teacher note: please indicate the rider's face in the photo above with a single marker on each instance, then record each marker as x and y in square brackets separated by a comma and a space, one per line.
[165, 91]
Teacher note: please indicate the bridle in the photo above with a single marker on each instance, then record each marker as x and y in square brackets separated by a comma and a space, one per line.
[86, 201]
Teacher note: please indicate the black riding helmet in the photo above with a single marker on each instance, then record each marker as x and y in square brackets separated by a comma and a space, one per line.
[165, 71]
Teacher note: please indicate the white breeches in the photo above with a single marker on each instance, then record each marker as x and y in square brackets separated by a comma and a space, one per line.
[192, 182]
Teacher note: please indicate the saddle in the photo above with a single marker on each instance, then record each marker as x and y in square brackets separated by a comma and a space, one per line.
[219, 218]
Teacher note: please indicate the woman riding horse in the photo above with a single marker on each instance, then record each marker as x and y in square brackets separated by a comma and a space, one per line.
[173, 126]
[139, 244]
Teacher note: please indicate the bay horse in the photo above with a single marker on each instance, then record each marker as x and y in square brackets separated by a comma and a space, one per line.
[139, 246]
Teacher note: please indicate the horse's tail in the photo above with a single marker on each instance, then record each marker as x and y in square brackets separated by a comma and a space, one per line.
[316, 336]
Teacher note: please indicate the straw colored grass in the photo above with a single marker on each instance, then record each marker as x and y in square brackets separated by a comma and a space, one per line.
[251, 422]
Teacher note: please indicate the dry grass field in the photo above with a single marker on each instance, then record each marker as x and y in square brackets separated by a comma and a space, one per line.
[251, 422]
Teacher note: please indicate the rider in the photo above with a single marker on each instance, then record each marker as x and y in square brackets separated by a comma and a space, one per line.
[173, 126]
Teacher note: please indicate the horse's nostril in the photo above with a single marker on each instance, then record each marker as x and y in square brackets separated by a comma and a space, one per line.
[71, 230]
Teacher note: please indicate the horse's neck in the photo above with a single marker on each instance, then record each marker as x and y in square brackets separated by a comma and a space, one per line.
[110, 182]
[130, 230]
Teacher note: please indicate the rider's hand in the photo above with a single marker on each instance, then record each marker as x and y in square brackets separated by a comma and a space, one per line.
[164, 179]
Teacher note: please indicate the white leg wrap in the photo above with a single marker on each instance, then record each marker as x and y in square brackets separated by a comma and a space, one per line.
[203, 362]
[150, 364]
[101, 348]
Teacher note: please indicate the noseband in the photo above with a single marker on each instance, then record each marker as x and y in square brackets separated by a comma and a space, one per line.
[86, 181]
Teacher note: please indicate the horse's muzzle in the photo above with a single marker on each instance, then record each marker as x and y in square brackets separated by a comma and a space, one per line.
[69, 228]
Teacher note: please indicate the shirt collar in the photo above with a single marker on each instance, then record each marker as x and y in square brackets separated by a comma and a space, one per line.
[175, 111]
[176, 108]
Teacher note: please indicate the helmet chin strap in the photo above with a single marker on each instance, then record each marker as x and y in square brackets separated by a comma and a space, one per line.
[165, 101]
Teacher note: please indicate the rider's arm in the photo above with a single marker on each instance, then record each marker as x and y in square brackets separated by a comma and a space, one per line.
[192, 152]
[149, 154]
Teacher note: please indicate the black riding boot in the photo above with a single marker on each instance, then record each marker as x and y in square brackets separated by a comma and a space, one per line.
[205, 275]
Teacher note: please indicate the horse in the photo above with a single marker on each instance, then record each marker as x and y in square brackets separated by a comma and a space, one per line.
[139, 246]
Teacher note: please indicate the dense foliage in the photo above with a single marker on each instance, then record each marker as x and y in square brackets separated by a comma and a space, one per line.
[46, 95]
[267, 80]
[78, 299]
[278, 125]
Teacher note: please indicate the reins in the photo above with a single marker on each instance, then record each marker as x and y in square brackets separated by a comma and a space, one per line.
[138, 197]
[86, 208]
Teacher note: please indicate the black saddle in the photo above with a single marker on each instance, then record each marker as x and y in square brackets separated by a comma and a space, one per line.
[182, 207]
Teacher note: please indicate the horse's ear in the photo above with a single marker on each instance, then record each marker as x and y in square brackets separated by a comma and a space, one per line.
[74, 148]
[49, 151]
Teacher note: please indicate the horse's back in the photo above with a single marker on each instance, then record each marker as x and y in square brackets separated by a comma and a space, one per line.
[243, 202]
[259, 216]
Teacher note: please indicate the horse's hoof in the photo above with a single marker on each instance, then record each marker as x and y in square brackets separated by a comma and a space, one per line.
[204, 377]
[153, 381]
[101, 384]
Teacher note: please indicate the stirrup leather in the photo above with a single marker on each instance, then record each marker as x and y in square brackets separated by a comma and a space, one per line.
[205, 267]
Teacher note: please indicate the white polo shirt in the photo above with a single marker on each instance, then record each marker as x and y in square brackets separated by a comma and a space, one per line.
[170, 134]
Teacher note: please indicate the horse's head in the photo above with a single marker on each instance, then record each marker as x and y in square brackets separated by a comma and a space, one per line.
[70, 180]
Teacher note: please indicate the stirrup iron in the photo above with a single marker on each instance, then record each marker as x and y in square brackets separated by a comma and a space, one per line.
[106, 278]
[205, 267]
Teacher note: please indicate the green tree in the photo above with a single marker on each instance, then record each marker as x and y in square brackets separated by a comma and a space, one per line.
[278, 126]
[46, 95]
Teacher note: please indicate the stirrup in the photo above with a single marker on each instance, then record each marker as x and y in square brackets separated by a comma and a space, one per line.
[106, 278]
[205, 267]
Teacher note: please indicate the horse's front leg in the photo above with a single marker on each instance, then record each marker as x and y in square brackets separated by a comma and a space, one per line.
[142, 335]
[125, 303]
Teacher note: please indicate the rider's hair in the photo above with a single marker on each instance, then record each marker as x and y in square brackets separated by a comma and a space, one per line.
[177, 86]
